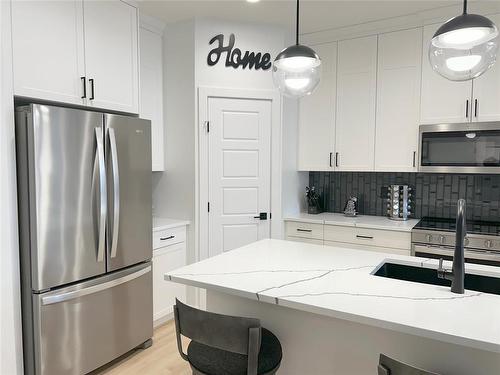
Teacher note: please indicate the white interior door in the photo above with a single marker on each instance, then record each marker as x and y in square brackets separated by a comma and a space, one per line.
[239, 172]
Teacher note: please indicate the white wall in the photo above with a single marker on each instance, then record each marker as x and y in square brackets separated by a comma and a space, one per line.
[185, 55]
[249, 37]
[10, 308]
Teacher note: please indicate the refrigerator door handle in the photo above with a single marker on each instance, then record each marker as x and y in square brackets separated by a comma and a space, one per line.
[103, 206]
[116, 191]
[57, 298]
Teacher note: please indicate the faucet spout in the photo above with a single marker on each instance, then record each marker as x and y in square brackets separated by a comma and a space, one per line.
[457, 274]
[457, 284]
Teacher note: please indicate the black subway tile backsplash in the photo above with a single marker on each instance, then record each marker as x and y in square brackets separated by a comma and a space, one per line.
[434, 194]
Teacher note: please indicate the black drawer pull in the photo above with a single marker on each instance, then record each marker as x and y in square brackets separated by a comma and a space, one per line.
[304, 230]
[166, 238]
[364, 237]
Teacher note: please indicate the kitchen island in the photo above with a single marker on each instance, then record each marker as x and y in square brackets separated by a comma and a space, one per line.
[333, 316]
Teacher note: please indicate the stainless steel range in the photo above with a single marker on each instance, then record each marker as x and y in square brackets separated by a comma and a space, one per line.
[435, 238]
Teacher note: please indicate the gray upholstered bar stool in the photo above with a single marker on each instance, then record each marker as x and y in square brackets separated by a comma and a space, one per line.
[389, 366]
[225, 345]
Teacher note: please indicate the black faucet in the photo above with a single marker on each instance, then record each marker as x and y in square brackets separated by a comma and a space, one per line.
[457, 274]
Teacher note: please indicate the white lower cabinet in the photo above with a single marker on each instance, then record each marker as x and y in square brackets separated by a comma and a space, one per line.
[380, 240]
[167, 256]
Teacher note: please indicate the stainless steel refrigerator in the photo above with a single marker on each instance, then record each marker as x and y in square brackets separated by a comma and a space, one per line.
[84, 184]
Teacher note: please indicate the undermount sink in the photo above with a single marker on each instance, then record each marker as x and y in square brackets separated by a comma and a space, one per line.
[478, 283]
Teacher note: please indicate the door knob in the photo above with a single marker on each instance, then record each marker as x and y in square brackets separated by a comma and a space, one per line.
[262, 216]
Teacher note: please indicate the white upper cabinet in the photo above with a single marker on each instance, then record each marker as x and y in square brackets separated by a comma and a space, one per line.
[151, 108]
[486, 91]
[111, 54]
[398, 100]
[77, 52]
[47, 42]
[356, 102]
[317, 116]
[442, 100]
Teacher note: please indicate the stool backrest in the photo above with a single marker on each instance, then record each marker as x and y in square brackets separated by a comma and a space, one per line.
[224, 332]
[389, 366]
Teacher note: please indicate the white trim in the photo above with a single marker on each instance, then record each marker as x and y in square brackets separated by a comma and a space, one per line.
[152, 24]
[409, 21]
[202, 171]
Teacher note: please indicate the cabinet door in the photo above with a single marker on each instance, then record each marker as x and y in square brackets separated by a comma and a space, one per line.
[486, 91]
[356, 101]
[47, 42]
[442, 100]
[398, 100]
[151, 107]
[165, 292]
[111, 55]
[317, 116]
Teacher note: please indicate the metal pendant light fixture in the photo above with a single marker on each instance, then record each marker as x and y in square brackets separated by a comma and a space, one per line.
[464, 47]
[297, 69]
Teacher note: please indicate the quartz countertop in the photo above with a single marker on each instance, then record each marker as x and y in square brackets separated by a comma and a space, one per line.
[162, 223]
[360, 221]
[338, 282]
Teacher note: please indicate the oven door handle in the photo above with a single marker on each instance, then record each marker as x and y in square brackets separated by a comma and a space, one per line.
[448, 251]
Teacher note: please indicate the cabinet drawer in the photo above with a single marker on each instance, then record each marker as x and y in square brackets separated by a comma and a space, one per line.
[378, 249]
[304, 230]
[168, 237]
[305, 240]
[369, 237]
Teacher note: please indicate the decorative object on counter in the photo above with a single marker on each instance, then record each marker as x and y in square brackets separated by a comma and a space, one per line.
[351, 207]
[399, 202]
[314, 201]
[297, 69]
[464, 47]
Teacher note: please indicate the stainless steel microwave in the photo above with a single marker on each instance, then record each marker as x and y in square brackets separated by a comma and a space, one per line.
[460, 148]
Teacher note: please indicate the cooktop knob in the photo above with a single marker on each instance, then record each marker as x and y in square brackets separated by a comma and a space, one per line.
[428, 238]
[488, 244]
[466, 241]
[442, 240]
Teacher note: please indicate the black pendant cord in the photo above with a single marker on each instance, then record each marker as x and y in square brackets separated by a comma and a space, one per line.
[297, 25]
[465, 6]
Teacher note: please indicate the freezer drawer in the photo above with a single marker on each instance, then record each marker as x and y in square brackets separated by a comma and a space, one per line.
[82, 327]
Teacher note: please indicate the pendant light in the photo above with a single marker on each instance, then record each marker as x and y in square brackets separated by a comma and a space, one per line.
[297, 69]
[464, 47]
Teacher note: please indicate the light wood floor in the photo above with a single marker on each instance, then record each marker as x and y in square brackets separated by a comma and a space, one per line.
[161, 358]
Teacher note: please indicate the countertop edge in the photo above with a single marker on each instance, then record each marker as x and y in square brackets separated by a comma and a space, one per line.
[337, 314]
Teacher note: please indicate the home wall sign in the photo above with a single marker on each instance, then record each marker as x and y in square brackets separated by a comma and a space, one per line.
[234, 57]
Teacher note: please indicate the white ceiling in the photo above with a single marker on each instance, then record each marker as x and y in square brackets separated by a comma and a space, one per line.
[315, 15]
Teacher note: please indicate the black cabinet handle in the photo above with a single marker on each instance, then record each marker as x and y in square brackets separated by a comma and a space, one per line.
[467, 108]
[84, 83]
[166, 238]
[336, 159]
[304, 230]
[91, 81]
[475, 108]
[414, 159]
[331, 154]
[364, 237]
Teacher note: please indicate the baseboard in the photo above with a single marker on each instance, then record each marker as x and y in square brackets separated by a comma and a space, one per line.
[162, 319]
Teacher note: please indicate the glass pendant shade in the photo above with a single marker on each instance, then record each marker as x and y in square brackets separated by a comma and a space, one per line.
[464, 47]
[297, 71]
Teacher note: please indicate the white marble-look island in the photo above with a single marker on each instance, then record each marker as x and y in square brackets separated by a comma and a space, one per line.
[333, 316]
